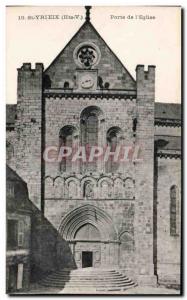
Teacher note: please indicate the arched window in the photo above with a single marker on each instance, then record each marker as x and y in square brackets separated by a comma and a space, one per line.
[89, 121]
[113, 139]
[174, 210]
[66, 140]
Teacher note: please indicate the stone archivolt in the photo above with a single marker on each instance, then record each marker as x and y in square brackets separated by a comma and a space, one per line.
[88, 214]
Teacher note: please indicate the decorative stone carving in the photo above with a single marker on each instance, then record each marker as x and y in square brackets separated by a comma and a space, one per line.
[89, 190]
[86, 55]
[105, 189]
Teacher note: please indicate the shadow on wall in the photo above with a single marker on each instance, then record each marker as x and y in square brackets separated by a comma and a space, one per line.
[49, 251]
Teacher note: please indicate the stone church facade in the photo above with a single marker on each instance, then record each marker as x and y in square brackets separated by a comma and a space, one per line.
[111, 214]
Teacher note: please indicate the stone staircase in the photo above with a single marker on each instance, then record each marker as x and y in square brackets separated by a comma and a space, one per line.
[88, 280]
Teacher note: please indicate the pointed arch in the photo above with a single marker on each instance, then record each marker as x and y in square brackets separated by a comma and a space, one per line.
[88, 232]
[87, 214]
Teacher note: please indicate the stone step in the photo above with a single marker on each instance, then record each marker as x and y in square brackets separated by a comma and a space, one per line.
[85, 286]
[90, 279]
[59, 282]
[56, 276]
[86, 272]
[53, 279]
[94, 290]
[78, 278]
[99, 284]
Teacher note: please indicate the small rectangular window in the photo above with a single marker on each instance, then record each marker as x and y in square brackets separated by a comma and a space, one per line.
[10, 189]
[12, 234]
[21, 233]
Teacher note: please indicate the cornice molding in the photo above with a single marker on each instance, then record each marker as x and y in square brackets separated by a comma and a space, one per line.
[168, 122]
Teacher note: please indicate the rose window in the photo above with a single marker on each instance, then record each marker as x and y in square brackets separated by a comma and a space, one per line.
[87, 55]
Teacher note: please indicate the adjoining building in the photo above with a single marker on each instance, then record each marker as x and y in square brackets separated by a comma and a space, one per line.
[18, 233]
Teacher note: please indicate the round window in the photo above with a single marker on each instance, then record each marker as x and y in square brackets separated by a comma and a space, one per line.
[86, 55]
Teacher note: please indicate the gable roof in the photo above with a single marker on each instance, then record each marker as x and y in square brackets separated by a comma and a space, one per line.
[110, 69]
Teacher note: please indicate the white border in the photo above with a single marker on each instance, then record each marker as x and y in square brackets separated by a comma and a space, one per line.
[2, 104]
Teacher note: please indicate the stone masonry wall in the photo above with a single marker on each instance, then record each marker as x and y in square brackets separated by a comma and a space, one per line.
[110, 69]
[115, 113]
[144, 175]
[121, 212]
[168, 249]
[27, 148]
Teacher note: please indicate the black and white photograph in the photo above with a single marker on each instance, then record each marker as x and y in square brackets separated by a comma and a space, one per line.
[93, 150]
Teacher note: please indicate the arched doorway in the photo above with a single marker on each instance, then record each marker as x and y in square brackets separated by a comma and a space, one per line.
[88, 246]
[91, 236]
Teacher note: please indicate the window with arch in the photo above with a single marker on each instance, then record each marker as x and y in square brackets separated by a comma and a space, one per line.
[89, 121]
[113, 140]
[66, 140]
[174, 210]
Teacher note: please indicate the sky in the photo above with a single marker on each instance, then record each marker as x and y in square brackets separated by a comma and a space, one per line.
[152, 40]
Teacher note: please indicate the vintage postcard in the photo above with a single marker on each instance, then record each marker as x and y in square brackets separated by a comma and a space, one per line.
[93, 137]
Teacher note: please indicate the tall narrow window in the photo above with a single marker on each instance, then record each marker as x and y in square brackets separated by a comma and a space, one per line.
[12, 234]
[89, 134]
[20, 233]
[113, 139]
[66, 140]
[174, 210]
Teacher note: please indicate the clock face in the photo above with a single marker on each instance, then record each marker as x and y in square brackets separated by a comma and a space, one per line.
[87, 82]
